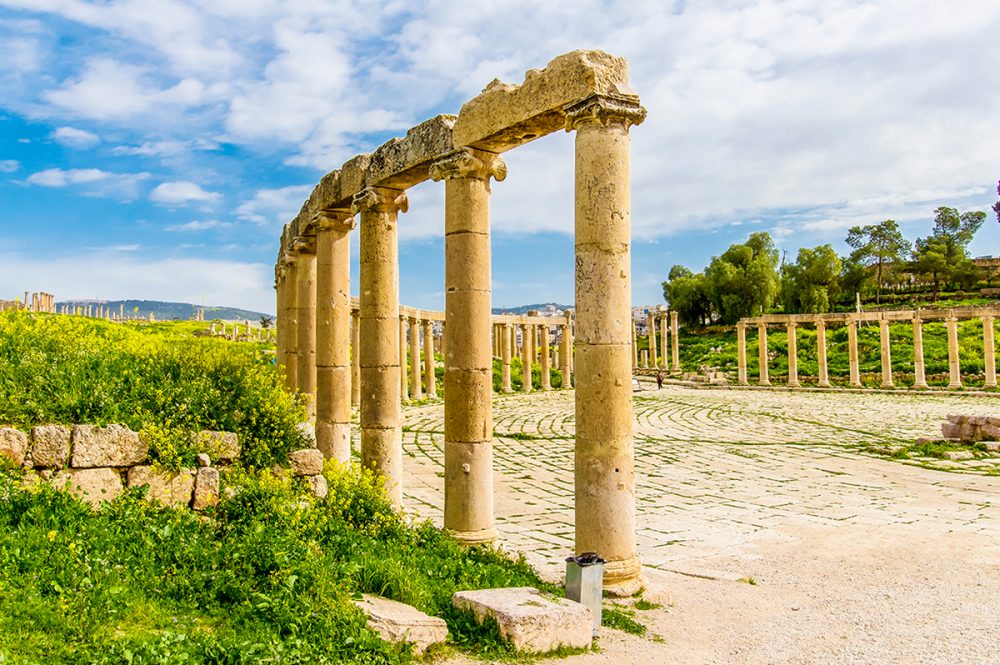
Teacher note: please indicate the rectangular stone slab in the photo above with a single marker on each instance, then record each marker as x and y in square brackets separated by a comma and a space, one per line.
[398, 622]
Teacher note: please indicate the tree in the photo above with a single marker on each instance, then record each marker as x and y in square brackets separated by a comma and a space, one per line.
[265, 322]
[996, 206]
[687, 294]
[878, 245]
[812, 281]
[943, 254]
[744, 280]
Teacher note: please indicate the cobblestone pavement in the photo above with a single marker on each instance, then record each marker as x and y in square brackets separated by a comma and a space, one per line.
[717, 469]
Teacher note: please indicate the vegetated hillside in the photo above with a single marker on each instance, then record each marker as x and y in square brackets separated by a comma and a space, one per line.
[543, 308]
[170, 311]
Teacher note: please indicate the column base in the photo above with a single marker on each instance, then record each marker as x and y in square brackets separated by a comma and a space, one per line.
[823, 384]
[480, 537]
[887, 386]
[622, 578]
[794, 384]
[954, 386]
[990, 385]
[920, 386]
[766, 384]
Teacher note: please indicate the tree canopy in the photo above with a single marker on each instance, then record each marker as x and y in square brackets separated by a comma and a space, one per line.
[878, 244]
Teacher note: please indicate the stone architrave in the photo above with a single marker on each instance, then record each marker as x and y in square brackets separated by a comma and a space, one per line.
[305, 302]
[886, 346]
[545, 358]
[355, 358]
[430, 382]
[675, 342]
[852, 353]
[526, 358]
[664, 362]
[416, 390]
[566, 351]
[468, 379]
[333, 334]
[741, 353]
[989, 353]
[762, 354]
[505, 344]
[821, 356]
[381, 431]
[954, 363]
[793, 355]
[404, 374]
[651, 325]
[604, 456]
[919, 375]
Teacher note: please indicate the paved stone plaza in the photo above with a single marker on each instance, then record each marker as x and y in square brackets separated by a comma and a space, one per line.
[762, 485]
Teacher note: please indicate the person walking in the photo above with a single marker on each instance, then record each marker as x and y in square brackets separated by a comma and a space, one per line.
[659, 380]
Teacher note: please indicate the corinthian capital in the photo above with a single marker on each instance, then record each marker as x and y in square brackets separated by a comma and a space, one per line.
[469, 163]
[340, 219]
[605, 110]
[380, 199]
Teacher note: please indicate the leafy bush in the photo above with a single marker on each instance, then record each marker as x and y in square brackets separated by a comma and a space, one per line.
[65, 369]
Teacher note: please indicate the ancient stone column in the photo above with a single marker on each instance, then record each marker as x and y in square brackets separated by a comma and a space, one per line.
[404, 374]
[675, 341]
[416, 390]
[291, 316]
[762, 354]
[645, 357]
[566, 351]
[505, 350]
[954, 366]
[305, 302]
[741, 353]
[279, 291]
[429, 381]
[793, 354]
[546, 368]
[651, 323]
[333, 334]
[355, 358]
[885, 343]
[604, 464]
[664, 362]
[381, 434]
[824, 370]
[989, 353]
[852, 353]
[526, 358]
[468, 422]
[635, 347]
[919, 376]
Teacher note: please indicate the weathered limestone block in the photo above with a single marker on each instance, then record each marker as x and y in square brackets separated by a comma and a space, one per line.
[951, 430]
[171, 488]
[529, 621]
[306, 462]
[206, 488]
[13, 445]
[114, 445]
[401, 163]
[90, 485]
[397, 622]
[50, 446]
[318, 486]
[223, 447]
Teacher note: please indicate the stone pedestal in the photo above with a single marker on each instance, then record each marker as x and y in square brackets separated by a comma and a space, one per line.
[954, 364]
[741, 354]
[762, 355]
[430, 382]
[604, 464]
[886, 346]
[381, 433]
[989, 353]
[793, 356]
[823, 368]
[852, 354]
[919, 376]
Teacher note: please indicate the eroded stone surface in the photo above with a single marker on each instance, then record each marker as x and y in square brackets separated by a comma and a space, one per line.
[13, 445]
[398, 622]
[90, 485]
[171, 488]
[306, 462]
[528, 620]
[206, 488]
[50, 446]
[318, 486]
[223, 447]
[114, 445]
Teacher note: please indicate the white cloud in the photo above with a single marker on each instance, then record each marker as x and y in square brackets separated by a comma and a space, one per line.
[92, 182]
[199, 225]
[62, 178]
[165, 148]
[274, 206]
[75, 138]
[181, 192]
[9, 165]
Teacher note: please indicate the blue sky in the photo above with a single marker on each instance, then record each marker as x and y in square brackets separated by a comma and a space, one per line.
[154, 149]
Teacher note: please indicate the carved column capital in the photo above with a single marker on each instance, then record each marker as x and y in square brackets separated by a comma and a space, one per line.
[469, 163]
[380, 199]
[339, 219]
[605, 110]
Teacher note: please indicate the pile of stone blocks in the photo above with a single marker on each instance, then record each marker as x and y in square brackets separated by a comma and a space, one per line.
[971, 429]
[710, 375]
[308, 463]
[97, 463]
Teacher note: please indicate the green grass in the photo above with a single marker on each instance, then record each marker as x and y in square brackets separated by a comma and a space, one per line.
[622, 618]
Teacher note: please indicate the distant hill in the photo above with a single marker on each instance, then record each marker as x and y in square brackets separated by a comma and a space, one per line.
[170, 311]
[544, 309]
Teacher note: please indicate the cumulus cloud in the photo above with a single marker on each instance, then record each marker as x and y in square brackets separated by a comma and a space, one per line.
[92, 182]
[9, 165]
[182, 192]
[75, 138]
[199, 225]
[274, 206]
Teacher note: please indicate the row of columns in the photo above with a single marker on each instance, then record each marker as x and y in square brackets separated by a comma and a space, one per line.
[535, 347]
[656, 357]
[920, 380]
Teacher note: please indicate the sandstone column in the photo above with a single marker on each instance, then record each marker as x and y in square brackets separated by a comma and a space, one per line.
[355, 358]
[793, 355]
[525, 358]
[279, 290]
[675, 341]
[604, 464]
[824, 370]
[852, 353]
[416, 390]
[468, 422]
[381, 434]
[306, 305]
[404, 374]
[651, 324]
[645, 358]
[954, 365]
[505, 350]
[566, 351]
[664, 362]
[635, 347]
[546, 368]
[885, 343]
[741, 353]
[919, 376]
[989, 353]
[762, 354]
[291, 316]
[333, 334]
[430, 382]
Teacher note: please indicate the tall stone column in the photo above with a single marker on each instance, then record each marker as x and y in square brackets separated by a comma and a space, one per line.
[333, 334]
[762, 354]
[505, 350]
[566, 351]
[954, 364]
[651, 323]
[404, 374]
[886, 345]
[305, 302]
[604, 459]
[291, 316]
[741, 353]
[381, 434]
[546, 368]
[852, 353]
[279, 290]
[675, 340]
[430, 382]
[664, 361]
[468, 379]
[793, 355]
[989, 353]
[635, 347]
[919, 375]
[416, 391]
[526, 358]
[355, 358]
[824, 370]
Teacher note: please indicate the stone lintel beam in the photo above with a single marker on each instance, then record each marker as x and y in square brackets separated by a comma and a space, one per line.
[401, 163]
[507, 115]
[338, 187]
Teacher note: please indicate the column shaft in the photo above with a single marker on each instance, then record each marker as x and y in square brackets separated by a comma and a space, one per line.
[954, 364]
[430, 382]
[989, 353]
[793, 356]
[291, 326]
[416, 391]
[404, 374]
[675, 341]
[545, 358]
[525, 358]
[651, 323]
[635, 346]
[306, 305]
[852, 353]
[566, 352]
[762, 354]
[919, 375]
[741, 353]
[355, 358]
[824, 370]
[886, 346]
[664, 362]
[505, 344]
